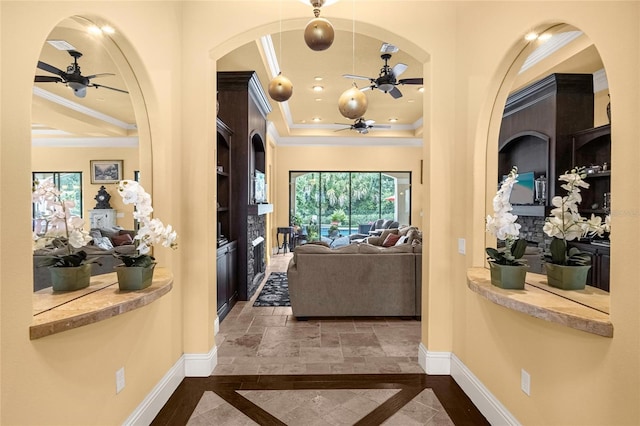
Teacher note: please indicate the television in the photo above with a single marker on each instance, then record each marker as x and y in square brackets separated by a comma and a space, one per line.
[259, 188]
[523, 191]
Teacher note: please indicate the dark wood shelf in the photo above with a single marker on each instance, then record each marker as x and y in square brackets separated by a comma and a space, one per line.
[606, 173]
[594, 211]
[223, 209]
[225, 174]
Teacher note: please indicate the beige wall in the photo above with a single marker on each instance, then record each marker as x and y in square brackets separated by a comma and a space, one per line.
[79, 160]
[471, 47]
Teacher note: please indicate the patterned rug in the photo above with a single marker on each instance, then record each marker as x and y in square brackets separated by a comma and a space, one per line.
[275, 291]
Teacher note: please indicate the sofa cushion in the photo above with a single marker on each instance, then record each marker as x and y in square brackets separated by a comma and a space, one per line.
[391, 240]
[403, 248]
[103, 242]
[340, 241]
[402, 240]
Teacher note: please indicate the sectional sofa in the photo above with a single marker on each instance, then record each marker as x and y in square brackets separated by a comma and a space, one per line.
[355, 280]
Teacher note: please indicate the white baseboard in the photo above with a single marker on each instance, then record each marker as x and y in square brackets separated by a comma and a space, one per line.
[216, 326]
[159, 395]
[200, 365]
[435, 363]
[188, 365]
[483, 399]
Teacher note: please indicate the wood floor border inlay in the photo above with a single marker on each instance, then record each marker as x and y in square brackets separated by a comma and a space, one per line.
[184, 400]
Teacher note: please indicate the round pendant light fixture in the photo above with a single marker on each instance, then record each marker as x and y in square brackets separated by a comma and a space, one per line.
[353, 103]
[280, 88]
[319, 33]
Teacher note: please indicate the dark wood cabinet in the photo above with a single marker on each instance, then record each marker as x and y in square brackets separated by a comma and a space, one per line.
[537, 127]
[592, 147]
[224, 184]
[600, 263]
[227, 289]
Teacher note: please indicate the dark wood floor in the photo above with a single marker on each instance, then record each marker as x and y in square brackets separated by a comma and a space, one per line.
[182, 403]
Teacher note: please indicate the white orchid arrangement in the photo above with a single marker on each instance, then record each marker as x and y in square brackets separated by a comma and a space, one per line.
[151, 231]
[503, 226]
[61, 228]
[565, 223]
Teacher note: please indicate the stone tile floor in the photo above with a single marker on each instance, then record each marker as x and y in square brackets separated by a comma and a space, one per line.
[269, 340]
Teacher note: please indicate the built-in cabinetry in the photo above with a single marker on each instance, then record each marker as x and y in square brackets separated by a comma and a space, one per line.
[600, 263]
[227, 285]
[537, 127]
[592, 147]
[244, 108]
[227, 291]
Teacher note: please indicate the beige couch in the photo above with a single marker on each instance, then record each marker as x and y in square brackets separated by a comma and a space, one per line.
[355, 280]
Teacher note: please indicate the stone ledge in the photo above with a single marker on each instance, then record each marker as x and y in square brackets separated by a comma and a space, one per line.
[541, 301]
[55, 312]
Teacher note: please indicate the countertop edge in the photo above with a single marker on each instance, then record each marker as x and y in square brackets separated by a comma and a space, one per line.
[479, 281]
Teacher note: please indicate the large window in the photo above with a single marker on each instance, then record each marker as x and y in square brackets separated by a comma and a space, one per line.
[69, 184]
[329, 204]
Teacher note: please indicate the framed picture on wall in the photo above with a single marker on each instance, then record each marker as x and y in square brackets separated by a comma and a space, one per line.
[106, 171]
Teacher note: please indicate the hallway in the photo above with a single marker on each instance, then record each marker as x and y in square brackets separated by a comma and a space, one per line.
[274, 370]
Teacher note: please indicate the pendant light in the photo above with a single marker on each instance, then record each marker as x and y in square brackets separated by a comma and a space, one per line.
[353, 102]
[280, 87]
[319, 33]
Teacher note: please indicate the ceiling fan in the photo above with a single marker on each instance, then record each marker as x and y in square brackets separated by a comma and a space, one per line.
[72, 77]
[362, 126]
[388, 78]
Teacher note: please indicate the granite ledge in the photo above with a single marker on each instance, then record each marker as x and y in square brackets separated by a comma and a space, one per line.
[543, 304]
[55, 312]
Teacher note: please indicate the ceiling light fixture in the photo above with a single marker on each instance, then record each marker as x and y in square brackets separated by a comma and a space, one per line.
[421, 90]
[544, 36]
[107, 29]
[530, 36]
[318, 88]
[319, 33]
[317, 119]
[317, 78]
[280, 87]
[94, 30]
[393, 120]
[353, 103]
[61, 44]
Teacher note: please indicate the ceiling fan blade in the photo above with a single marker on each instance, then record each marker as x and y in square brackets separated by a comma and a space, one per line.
[339, 130]
[369, 122]
[399, 69]
[97, 86]
[104, 74]
[50, 68]
[380, 126]
[357, 77]
[411, 81]
[395, 93]
[363, 131]
[367, 88]
[47, 79]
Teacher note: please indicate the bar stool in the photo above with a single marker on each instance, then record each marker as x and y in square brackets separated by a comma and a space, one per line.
[286, 233]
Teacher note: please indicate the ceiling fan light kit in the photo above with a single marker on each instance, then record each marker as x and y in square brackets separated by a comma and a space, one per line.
[319, 33]
[280, 88]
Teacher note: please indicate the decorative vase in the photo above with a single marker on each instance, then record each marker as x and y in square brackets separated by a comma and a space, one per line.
[567, 277]
[70, 278]
[509, 277]
[134, 277]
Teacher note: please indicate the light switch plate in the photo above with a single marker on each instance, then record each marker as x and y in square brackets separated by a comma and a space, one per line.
[462, 246]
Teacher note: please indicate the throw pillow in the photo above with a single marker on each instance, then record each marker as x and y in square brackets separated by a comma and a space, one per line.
[95, 233]
[120, 240]
[103, 242]
[391, 240]
[402, 240]
[319, 243]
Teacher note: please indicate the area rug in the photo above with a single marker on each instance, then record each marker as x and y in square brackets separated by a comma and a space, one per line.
[275, 291]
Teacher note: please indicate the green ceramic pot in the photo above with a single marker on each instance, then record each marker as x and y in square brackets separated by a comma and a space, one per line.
[567, 277]
[71, 278]
[508, 276]
[134, 277]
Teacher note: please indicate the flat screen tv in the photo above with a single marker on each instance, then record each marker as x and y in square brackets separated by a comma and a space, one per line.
[524, 190]
[260, 188]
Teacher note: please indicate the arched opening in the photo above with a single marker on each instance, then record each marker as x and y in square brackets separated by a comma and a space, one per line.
[89, 117]
[555, 116]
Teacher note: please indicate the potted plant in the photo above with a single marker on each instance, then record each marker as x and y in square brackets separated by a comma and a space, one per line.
[508, 269]
[70, 270]
[136, 272]
[567, 268]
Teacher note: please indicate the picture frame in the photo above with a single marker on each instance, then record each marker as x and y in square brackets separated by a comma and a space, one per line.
[106, 171]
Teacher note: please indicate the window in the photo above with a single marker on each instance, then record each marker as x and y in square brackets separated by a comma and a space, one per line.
[329, 204]
[69, 184]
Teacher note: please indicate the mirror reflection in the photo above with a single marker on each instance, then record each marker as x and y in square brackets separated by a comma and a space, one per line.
[557, 118]
[84, 140]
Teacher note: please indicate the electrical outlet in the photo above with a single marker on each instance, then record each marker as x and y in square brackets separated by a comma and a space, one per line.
[525, 382]
[119, 380]
[462, 246]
